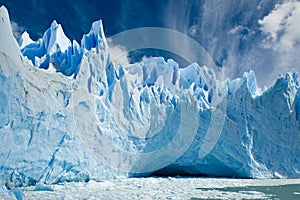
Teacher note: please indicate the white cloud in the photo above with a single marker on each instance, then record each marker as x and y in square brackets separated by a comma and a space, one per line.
[282, 30]
[17, 29]
[118, 53]
[282, 26]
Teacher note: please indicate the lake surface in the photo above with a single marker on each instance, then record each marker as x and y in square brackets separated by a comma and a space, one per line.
[170, 188]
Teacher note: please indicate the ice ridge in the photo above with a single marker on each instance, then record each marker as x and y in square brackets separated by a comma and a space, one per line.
[56, 50]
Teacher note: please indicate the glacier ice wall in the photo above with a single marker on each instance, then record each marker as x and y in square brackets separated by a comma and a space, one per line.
[69, 114]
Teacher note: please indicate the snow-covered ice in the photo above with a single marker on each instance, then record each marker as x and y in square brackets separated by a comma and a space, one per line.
[68, 113]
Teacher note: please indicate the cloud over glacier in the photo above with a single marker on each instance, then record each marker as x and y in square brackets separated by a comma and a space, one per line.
[282, 36]
[282, 26]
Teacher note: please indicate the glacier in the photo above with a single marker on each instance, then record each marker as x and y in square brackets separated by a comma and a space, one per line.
[68, 113]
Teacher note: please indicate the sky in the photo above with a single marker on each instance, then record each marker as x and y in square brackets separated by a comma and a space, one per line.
[239, 35]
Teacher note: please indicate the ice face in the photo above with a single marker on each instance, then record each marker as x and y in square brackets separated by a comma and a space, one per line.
[69, 114]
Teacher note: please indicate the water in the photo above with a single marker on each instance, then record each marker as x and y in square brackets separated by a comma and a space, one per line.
[170, 188]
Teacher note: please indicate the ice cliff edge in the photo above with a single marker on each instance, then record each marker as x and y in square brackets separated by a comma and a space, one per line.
[68, 113]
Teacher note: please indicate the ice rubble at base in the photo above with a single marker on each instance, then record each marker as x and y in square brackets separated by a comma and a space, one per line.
[69, 114]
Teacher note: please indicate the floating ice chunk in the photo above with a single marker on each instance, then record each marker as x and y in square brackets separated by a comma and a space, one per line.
[43, 187]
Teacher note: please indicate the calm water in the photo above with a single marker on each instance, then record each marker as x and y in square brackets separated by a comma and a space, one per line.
[170, 188]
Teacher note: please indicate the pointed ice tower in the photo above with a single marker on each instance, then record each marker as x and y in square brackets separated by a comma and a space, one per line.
[9, 50]
[96, 67]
